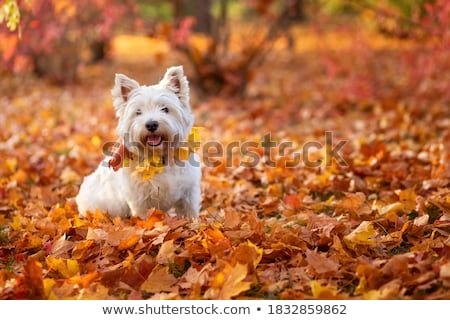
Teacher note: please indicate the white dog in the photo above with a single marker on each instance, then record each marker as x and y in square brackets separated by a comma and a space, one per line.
[153, 122]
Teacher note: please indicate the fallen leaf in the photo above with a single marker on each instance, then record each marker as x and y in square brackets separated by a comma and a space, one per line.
[365, 234]
[66, 267]
[320, 263]
[159, 280]
[229, 282]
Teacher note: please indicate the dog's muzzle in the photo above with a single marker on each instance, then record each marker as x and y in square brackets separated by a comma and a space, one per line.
[154, 140]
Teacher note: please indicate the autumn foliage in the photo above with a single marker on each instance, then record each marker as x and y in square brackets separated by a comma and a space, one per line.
[54, 38]
[371, 221]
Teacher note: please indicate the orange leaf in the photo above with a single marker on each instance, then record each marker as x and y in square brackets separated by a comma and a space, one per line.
[229, 282]
[408, 199]
[154, 216]
[33, 279]
[85, 280]
[128, 243]
[293, 201]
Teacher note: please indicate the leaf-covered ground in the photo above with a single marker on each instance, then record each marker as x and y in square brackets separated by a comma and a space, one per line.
[374, 224]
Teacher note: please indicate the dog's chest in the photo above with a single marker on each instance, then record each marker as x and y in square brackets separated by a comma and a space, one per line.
[164, 189]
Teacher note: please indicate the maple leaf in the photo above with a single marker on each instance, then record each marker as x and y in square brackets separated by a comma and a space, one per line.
[249, 254]
[229, 282]
[128, 242]
[408, 199]
[320, 263]
[194, 144]
[365, 234]
[149, 167]
[159, 280]
[154, 216]
[66, 267]
[16, 224]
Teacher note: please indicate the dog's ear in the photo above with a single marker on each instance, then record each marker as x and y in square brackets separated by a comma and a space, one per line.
[175, 80]
[122, 88]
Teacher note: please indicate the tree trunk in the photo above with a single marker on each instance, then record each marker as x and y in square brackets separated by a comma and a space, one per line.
[200, 9]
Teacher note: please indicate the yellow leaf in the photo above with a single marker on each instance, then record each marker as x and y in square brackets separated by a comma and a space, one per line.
[365, 234]
[128, 262]
[150, 167]
[72, 267]
[373, 295]
[150, 172]
[55, 263]
[390, 208]
[48, 286]
[67, 268]
[183, 153]
[96, 141]
[78, 222]
[259, 252]
[408, 199]
[34, 242]
[320, 291]
[194, 138]
[16, 224]
[218, 280]
[11, 164]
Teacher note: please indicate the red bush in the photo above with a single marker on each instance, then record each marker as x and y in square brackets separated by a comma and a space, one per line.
[54, 32]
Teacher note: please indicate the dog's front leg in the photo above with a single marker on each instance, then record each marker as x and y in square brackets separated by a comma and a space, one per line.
[138, 209]
[189, 206]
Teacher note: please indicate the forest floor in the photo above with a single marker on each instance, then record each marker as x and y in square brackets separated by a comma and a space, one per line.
[352, 202]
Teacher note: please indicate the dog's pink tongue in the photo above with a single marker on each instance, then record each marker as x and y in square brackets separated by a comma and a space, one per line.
[154, 140]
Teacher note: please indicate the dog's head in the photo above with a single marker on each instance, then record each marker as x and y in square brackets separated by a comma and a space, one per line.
[152, 117]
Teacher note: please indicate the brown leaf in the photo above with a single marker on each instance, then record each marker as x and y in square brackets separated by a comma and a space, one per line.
[33, 279]
[320, 263]
[159, 280]
[232, 219]
[229, 282]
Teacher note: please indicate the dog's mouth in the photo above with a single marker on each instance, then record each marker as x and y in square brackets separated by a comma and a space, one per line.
[154, 140]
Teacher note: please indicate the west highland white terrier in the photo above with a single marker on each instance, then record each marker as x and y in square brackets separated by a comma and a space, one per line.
[154, 121]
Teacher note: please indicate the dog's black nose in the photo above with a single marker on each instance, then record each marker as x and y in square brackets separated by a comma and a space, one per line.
[152, 125]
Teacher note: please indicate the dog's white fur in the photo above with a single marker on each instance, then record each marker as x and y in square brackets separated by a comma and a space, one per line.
[122, 192]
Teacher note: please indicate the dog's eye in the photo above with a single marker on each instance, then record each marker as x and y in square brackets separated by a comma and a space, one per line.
[138, 112]
[165, 110]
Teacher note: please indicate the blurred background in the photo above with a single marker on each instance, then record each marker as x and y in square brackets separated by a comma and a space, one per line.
[355, 49]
